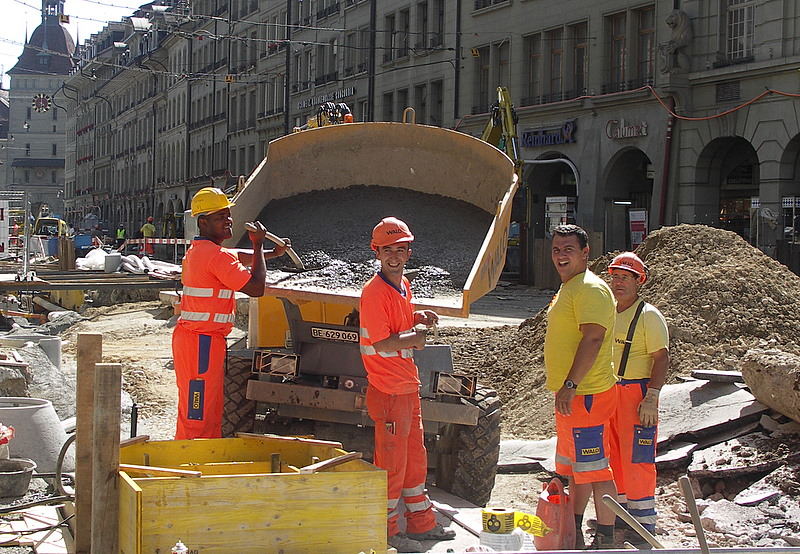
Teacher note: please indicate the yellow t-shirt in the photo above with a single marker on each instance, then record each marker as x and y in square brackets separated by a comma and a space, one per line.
[651, 335]
[583, 299]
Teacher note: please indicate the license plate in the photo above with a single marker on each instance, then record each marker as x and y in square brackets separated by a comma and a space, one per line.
[334, 334]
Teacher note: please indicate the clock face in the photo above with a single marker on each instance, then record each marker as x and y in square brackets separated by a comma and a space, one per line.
[41, 103]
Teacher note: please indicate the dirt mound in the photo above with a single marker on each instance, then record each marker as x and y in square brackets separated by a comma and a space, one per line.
[720, 297]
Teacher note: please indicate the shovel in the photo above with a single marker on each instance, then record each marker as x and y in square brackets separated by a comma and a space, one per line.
[298, 263]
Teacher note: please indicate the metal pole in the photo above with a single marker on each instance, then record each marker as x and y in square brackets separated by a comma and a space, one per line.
[26, 237]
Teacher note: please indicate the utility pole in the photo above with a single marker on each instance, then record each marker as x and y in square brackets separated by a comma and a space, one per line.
[373, 9]
[286, 89]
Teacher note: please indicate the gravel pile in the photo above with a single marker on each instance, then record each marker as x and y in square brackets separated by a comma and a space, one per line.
[720, 297]
[331, 231]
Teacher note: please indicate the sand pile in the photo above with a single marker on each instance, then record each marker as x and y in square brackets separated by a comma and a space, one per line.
[720, 297]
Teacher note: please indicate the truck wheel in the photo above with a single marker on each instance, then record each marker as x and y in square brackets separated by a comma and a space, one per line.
[239, 413]
[466, 456]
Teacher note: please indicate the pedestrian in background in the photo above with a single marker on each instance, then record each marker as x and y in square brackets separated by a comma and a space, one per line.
[388, 341]
[641, 359]
[120, 236]
[148, 231]
[577, 357]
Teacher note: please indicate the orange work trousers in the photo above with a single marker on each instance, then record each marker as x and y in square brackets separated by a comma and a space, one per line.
[633, 454]
[400, 450]
[583, 437]
[199, 362]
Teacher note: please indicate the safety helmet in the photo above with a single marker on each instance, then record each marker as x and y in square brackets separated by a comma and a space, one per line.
[209, 200]
[630, 262]
[390, 231]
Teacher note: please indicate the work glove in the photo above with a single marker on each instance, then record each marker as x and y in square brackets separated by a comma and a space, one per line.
[648, 408]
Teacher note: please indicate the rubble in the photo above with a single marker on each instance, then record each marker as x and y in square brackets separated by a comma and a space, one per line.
[750, 454]
[774, 377]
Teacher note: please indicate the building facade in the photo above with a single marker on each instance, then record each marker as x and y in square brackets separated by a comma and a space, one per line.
[34, 151]
[632, 115]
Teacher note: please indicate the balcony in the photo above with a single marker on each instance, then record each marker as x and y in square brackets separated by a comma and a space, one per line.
[328, 11]
[482, 4]
[622, 86]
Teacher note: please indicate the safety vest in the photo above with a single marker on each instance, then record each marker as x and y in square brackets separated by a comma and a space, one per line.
[207, 305]
[120, 233]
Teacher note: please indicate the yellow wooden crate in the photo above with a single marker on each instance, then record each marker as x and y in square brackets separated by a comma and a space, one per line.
[236, 507]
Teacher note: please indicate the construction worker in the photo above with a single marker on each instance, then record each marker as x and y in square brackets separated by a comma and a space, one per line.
[641, 359]
[577, 357]
[148, 231]
[388, 339]
[120, 236]
[211, 275]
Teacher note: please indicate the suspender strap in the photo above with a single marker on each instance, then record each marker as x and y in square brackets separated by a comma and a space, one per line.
[629, 339]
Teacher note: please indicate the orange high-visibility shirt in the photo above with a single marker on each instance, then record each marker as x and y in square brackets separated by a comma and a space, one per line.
[386, 310]
[211, 276]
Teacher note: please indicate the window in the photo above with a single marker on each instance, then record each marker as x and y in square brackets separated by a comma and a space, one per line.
[616, 34]
[481, 104]
[421, 103]
[298, 73]
[389, 31]
[27, 176]
[437, 103]
[28, 113]
[646, 47]
[55, 114]
[740, 26]
[321, 65]
[54, 149]
[402, 102]
[388, 106]
[403, 34]
[555, 43]
[363, 49]
[438, 23]
[53, 177]
[27, 149]
[350, 51]
[422, 25]
[533, 46]
[579, 61]
[503, 68]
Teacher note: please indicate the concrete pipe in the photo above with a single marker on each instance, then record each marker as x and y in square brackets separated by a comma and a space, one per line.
[38, 433]
[50, 345]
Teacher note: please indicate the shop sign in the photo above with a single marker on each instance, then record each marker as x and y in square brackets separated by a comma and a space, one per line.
[565, 134]
[329, 97]
[637, 220]
[622, 129]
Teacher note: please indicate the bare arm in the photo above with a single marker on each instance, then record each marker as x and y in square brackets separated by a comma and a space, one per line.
[586, 354]
[658, 376]
[399, 341]
[258, 272]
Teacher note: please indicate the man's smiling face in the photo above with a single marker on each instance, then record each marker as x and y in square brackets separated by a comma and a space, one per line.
[393, 258]
[568, 256]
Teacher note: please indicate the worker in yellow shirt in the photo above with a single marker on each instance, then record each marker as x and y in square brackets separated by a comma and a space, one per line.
[577, 357]
[148, 231]
[641, 359]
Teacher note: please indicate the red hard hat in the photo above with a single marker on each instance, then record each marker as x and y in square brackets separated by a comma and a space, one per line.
[150, 219]
[630, 262]
[390, 231]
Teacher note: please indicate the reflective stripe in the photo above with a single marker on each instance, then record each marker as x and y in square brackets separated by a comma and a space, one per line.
[392, 354]
[364, 332]
[418, 506]
[414, 491]
[622, 499]
[392, 503]
[595, 465]
[195, 316]
[224, 318]
[393, 513]
[367, 350]
[199, 292]
[653, 519]
[225, 294]
[644, 504]
[404, 353]
[563, 460]
[407, 353]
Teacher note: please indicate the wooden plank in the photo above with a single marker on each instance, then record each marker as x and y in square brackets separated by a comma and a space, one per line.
[90, 352]
[331, 462]
[105, 463]
[336, 512]
[302, 440]
[159, 471]
[138, 439]
[130, 515]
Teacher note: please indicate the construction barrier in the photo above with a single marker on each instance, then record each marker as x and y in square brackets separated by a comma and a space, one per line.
[159, 241]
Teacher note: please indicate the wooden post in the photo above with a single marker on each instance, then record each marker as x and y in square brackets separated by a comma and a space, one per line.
[105, 458]
[90, 352]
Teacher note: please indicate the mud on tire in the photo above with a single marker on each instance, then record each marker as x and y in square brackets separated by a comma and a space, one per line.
[466, 456]
[239, 413]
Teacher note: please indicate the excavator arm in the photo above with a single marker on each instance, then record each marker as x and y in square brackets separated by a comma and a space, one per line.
[501, 129]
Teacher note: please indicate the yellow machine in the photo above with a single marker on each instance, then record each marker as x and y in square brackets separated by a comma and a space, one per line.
[301, 368]
[328, 113]
[501, 129]
[50, 226]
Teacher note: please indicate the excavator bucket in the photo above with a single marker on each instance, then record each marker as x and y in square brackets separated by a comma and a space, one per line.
[415, 157]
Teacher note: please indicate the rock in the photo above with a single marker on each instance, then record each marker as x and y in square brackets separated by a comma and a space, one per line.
[782, 480]
[729, 518]
[774, 378]
[13, 382]
[753, 453]
[791, 539]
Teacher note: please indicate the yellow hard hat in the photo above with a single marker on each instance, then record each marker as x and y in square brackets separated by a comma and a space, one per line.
[209, 200]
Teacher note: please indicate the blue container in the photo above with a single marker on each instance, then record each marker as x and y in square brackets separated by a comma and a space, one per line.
[52, 246]
[83, 241]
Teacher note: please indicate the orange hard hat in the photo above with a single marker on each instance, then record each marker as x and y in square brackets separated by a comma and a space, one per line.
[390, 231]
[629, 261]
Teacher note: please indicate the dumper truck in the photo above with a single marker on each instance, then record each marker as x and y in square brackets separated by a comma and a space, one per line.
[299, 370]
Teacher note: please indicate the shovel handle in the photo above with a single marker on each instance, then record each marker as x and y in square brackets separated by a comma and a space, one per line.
[691, 504]
[298, 263]
[629, 519]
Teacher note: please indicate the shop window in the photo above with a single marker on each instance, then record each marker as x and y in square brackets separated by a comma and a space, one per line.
[579, 59]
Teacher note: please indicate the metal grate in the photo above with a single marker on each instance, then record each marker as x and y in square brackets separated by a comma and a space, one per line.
[728, 91]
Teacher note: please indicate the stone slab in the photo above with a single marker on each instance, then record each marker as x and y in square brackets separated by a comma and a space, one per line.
[698, 408]
[522, 456]
[784, 480]
[753, 453]
[723, 516]
[718, 376]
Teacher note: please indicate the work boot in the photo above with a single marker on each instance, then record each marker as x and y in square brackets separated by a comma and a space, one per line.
[438, 533]
[604, 542]
[402, 543]
[580, 542]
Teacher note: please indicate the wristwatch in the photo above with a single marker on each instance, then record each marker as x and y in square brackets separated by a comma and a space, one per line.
[570, 384]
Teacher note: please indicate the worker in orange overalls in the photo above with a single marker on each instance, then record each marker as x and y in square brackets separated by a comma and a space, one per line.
[641, 359]
[148, 232]
[388, 339]
[211, 276]
[577, 358]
